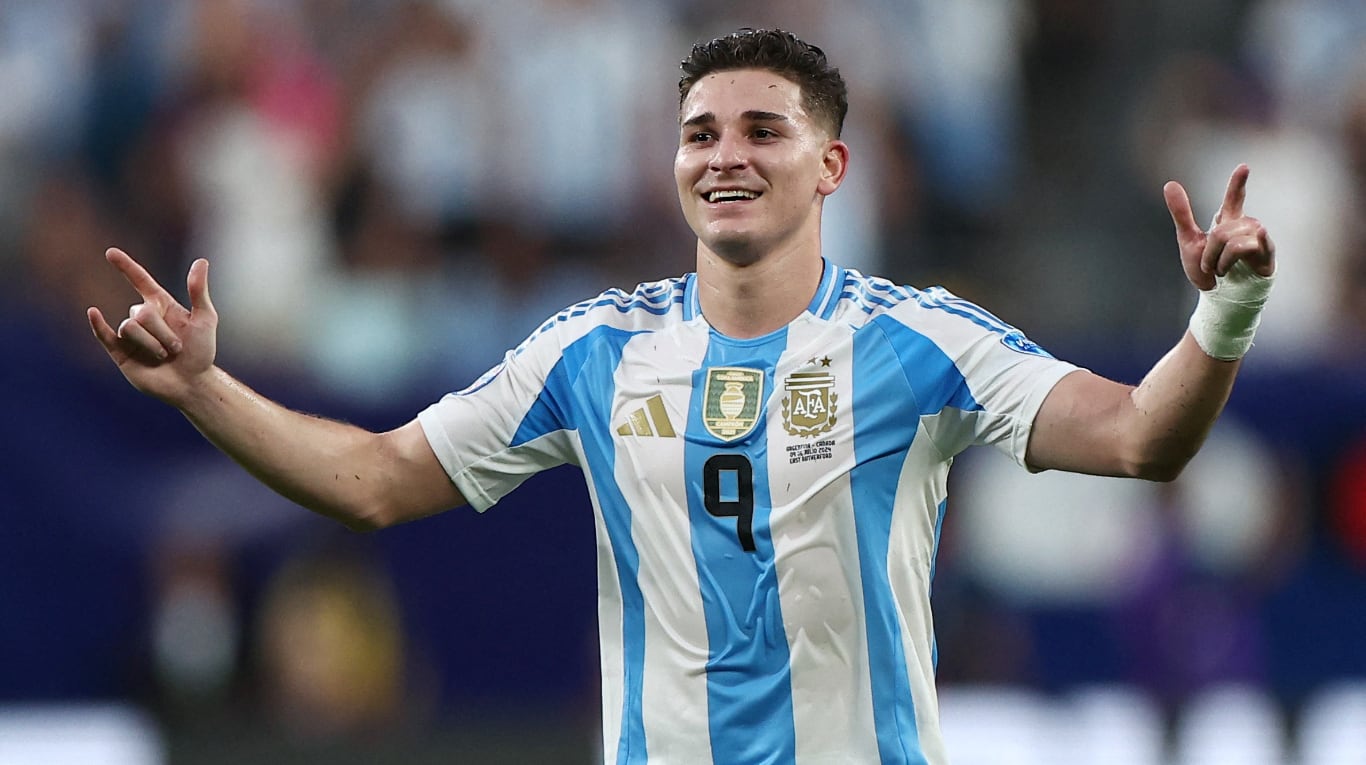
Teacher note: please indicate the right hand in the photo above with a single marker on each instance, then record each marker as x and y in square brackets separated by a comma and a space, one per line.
[162, 348]
[1232, 237]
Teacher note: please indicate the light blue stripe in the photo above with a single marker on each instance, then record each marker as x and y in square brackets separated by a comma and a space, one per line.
[869, 303]
[870, 294]
[691, 308]
[934, 561]
[657, 299]
[975, 319]
[749, 684]
[949, 298]
[900, 292]
[895, 369]
[578, 396]
[936, 380]
[942, 299]
[829, 284]
[619, 302]
[882, 436]
[1011, 337]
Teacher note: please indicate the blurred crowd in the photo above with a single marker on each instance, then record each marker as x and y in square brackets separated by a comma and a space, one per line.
[393, 192]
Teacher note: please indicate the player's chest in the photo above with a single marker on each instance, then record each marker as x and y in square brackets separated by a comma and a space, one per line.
[789, 405]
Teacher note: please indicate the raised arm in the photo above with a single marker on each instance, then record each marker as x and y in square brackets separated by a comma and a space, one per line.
[365, 480]
[1089, 424]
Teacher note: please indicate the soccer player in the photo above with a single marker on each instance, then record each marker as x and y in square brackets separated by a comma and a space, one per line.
[765, 440]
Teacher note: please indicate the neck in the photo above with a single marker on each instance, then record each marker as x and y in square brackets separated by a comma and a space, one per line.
[750, 300]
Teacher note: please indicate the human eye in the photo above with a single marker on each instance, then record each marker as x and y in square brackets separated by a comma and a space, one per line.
[700, 136]
[765, 134]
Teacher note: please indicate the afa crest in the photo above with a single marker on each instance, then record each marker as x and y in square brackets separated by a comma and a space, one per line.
[809, 405]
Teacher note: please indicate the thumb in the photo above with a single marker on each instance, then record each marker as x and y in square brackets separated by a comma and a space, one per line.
[198, 284]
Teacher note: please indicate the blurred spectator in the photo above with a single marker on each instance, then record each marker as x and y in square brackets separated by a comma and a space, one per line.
[1189, 620]
[262, 122]
[1347, 502]
[520, 281]
[1309, 53]
[196, 628]
[45, 52]
[425, 118]
[1179, 568]
[1352, 293]
[65, 224]
[1079, 239]
[582, 87]
[956, 68]
[209, 518]
[333, 657]
[1270, 116]
[1053, 538]
[374, 329]
[1300, 183]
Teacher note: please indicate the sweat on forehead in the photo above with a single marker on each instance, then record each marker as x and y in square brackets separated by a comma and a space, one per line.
[751, 90]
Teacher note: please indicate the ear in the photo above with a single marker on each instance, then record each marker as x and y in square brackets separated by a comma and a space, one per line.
[834, 164]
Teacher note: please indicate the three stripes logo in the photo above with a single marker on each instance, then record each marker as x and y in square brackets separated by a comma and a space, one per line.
[648, 420]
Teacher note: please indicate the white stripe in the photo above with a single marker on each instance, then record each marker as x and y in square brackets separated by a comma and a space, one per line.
[819, 584]
[610, 649]
[920, 488]
[831, 289]
[674, 702]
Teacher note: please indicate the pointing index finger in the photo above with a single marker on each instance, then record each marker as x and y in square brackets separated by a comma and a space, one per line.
[1236, 193]
[137, 276]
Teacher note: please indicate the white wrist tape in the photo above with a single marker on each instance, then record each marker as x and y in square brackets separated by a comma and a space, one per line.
[1227, 316]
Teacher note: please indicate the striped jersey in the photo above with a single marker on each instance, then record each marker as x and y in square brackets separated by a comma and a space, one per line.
[767, 510]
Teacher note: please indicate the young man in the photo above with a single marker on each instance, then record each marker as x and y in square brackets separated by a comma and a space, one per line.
[766, 441]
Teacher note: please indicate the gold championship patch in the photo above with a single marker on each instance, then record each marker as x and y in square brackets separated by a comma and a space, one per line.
[731, 398]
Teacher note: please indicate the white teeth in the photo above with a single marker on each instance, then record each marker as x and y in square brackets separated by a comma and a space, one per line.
[729, 194]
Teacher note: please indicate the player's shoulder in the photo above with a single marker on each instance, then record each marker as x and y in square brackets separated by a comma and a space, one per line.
[648, 306]
[931, 311]
[934, 313]
[870, 297]
[861, 297]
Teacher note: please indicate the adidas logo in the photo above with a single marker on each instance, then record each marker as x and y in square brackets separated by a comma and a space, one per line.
[649, 420]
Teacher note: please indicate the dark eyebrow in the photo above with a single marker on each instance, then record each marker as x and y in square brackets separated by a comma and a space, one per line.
[700, 119]
[757, 116]
[752, 115]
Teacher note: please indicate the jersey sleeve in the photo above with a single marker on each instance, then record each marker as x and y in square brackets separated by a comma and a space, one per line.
[1005, 377]
[1011, 386]
[507, 426]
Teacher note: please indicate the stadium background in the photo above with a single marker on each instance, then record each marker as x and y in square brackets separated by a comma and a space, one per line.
[391, 193]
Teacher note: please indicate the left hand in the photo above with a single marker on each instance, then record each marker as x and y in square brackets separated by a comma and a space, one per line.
[1232, 237]
[163, 348]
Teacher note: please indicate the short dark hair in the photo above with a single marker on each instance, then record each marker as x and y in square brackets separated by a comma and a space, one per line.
[824, 94]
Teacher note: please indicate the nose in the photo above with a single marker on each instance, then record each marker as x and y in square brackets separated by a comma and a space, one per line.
[730, 154]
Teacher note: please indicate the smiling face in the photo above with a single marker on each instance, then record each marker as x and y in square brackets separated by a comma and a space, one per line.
[753, 166]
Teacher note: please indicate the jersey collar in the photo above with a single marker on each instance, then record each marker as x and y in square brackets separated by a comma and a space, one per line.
[822, 303]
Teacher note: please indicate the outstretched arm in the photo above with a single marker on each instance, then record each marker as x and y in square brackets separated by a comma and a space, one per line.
[1089, 424]
[362, 479]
